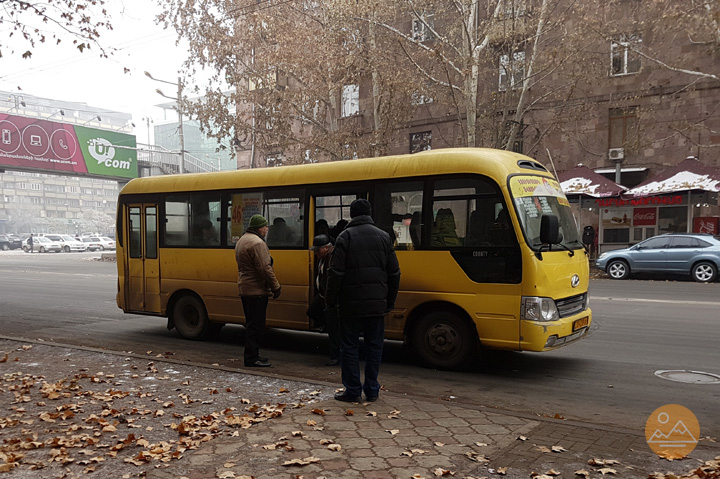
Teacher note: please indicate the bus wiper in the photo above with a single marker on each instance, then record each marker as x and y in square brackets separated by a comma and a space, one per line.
[571, 253]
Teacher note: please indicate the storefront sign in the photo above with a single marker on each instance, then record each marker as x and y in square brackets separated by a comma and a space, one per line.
[644, 216]
[706, 224]
[650, 200]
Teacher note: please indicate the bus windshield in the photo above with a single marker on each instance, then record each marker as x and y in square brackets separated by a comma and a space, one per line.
[536, 196]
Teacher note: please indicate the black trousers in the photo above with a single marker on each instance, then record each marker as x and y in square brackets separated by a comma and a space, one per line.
[255, 308]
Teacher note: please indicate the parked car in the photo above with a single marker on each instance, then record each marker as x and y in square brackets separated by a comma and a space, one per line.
[68, 243]
[8, 242]
[686, 253]
[92, 245]
[105, 242]
[42, 244]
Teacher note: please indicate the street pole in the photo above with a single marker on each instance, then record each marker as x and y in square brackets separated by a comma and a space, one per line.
[180, 127]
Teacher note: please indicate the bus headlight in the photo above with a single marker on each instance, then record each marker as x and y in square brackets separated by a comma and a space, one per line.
[534, 308]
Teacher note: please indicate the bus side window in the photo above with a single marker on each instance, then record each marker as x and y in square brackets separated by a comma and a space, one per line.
[397, 209]
[285, 212]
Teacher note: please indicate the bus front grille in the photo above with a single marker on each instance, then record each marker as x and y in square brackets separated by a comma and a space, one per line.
[572, 305]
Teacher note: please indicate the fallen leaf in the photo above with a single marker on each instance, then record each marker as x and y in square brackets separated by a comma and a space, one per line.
[349, 412]
[543, 449]
[442, 472]
[439, 444]
[371, 413]
[522, 438]
[334, 447]
[301, 462]
[583, 472]
[318, 411]
[392, 431]
[311, 423]
[226, 475]
[502, 470]
[558, 449]
[607, 470]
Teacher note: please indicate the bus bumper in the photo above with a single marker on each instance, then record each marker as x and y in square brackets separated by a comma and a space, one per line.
[546, 336]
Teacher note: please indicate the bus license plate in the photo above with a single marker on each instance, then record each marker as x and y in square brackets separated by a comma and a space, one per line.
[580, 323]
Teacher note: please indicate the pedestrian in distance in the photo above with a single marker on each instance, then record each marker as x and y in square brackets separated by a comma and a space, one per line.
[363, 284]
[319, 314]
[30, 243]
[256, 284]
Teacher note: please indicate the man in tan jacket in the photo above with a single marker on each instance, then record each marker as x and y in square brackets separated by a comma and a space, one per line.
[256, 283]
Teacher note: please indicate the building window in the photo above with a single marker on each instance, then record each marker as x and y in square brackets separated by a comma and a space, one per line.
[350, 100]
[36, 186]
[511, 71]
[512, 9]
[417, 99]
[420, 141]
[274, 159]
[22, 186]
[422, 28]
[622, 127]
[624, 58]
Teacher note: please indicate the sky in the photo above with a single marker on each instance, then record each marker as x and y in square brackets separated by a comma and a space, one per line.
[59, 73]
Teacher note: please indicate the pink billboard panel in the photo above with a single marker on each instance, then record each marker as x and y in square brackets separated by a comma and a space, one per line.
[36, 143]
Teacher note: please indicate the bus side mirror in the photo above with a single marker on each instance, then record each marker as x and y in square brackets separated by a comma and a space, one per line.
[549, 230]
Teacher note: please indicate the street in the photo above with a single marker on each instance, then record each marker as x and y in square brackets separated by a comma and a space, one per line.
[640, 327]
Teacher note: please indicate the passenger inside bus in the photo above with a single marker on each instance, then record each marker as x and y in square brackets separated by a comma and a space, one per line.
[444, 232]
[207, 235]
[280, 234]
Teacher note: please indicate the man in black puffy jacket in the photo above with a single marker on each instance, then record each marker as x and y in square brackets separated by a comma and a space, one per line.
[363, 283]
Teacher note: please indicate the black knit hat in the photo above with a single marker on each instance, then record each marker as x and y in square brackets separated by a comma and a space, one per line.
[360, 207]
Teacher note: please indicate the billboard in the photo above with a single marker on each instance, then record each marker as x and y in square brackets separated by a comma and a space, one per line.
[63, 148]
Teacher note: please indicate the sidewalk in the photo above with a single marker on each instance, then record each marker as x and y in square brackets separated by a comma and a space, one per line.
[400, 437]
[81, 412]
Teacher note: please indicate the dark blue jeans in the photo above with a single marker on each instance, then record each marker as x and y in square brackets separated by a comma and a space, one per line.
[373, 329]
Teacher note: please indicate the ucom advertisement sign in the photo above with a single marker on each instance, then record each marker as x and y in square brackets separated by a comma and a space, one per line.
[37, 144]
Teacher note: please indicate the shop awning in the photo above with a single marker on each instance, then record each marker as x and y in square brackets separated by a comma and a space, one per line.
[689, 175]
[584, 181]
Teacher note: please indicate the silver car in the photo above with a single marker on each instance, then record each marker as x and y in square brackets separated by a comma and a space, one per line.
[68, 243]
[41, 244]
[685, 253]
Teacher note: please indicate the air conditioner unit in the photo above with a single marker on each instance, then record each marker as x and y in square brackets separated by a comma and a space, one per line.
[616, 153]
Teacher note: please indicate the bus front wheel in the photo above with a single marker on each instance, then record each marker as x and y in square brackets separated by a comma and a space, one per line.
[444, 340]
[190, 318]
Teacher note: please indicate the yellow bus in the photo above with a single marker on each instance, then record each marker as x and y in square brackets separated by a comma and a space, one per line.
[488, 247]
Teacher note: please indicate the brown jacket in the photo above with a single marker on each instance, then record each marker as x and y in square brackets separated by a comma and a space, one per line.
[255, 272]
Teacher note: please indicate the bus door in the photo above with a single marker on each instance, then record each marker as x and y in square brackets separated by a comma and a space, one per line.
[143, 268]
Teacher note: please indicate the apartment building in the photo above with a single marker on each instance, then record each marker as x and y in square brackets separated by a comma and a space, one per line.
[37, 202]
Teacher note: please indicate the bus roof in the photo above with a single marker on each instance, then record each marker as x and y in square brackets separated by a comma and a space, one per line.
[495, 163]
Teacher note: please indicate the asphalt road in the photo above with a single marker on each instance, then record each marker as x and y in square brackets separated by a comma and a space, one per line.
[640, 327]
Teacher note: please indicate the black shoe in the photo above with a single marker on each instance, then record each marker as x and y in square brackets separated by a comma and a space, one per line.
[371, 398]
[332, 362]
[265, 360]
[260, 363]
[345, 397]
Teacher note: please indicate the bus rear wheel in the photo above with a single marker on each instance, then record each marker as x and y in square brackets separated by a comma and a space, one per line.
[444, 340]
[190, 318]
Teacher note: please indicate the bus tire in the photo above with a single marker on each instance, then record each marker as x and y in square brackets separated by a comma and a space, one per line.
[444, 340]
[190, 318]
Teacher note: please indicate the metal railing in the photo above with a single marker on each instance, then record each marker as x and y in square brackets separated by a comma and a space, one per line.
[168, 162]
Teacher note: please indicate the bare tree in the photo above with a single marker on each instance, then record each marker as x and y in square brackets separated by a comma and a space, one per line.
[40, 21]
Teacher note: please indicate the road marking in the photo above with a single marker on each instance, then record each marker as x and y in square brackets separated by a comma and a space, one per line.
[643, 300]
